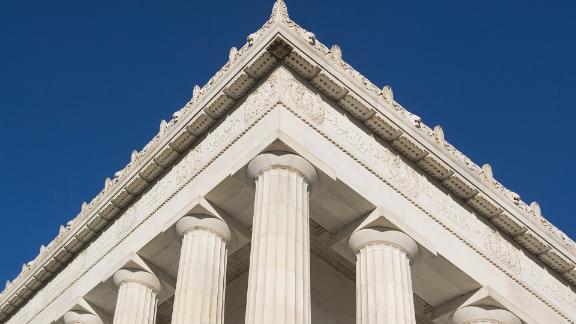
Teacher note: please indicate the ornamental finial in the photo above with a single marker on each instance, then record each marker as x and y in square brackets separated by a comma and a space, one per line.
[233, 54]
[387, 92]
[133, 156]
[439, 133]
[279, 12]
[488, 170]
[196, 92]
[536, 209]
[311, 38]
[336, 52]
[163, 125]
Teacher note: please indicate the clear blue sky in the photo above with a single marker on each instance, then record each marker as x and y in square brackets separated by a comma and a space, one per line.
[82, 84]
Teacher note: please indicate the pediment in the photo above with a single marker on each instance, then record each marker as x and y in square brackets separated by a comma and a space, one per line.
[283, 63]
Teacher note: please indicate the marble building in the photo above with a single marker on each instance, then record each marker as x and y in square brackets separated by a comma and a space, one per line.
[290, 189]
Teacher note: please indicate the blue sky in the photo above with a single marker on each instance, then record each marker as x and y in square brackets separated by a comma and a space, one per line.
[82, 84]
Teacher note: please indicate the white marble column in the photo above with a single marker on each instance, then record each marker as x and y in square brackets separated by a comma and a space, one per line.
[79, 317]
[279, 277]
[137, 301]
[383, 278]
[484, 315]
[199, 296]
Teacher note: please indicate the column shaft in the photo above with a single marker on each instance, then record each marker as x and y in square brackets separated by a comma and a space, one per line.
[383, 278]
[137, 302]
[200, 289]
[279, 278]
[383, 286]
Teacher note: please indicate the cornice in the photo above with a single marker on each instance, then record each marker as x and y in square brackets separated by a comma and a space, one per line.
[282, 41]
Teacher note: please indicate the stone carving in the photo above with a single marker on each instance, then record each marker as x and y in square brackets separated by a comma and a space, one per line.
[536, 209]
[279, 12]
[228, 127]
[499, 249]
[261, 99]
[336, 52]
[488, 171]
[388, 93]
[304, 100]
[439, 133]
[163, 126]
[196, 92]
[233, 54]
[311, 38]
[416, 120]
[107, 183]
[250, 39]
[188, 165]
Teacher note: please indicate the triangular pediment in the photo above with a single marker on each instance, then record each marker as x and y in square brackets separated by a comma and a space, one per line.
[284, 63]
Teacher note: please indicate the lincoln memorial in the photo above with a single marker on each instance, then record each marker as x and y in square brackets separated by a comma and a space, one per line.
[292, 190]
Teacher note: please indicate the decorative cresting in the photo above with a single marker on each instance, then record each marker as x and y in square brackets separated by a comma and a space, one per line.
[383, 279]
[137, 301]
[279, 278]
[79, 317]
[484, 315]
[199, 296]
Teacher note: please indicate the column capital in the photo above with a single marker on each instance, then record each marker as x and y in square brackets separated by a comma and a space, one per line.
[285, 160]
[484, 314]
[365, 236]
[138, 276]
[77, 317]
[199, 221]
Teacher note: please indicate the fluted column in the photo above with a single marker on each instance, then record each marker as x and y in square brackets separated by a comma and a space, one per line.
[137, 300]
[79, 317]
[199, 296]
[383, 279]
[279, 278]
[484, 315]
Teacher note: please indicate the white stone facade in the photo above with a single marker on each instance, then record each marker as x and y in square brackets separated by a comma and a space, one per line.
[292, 190]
